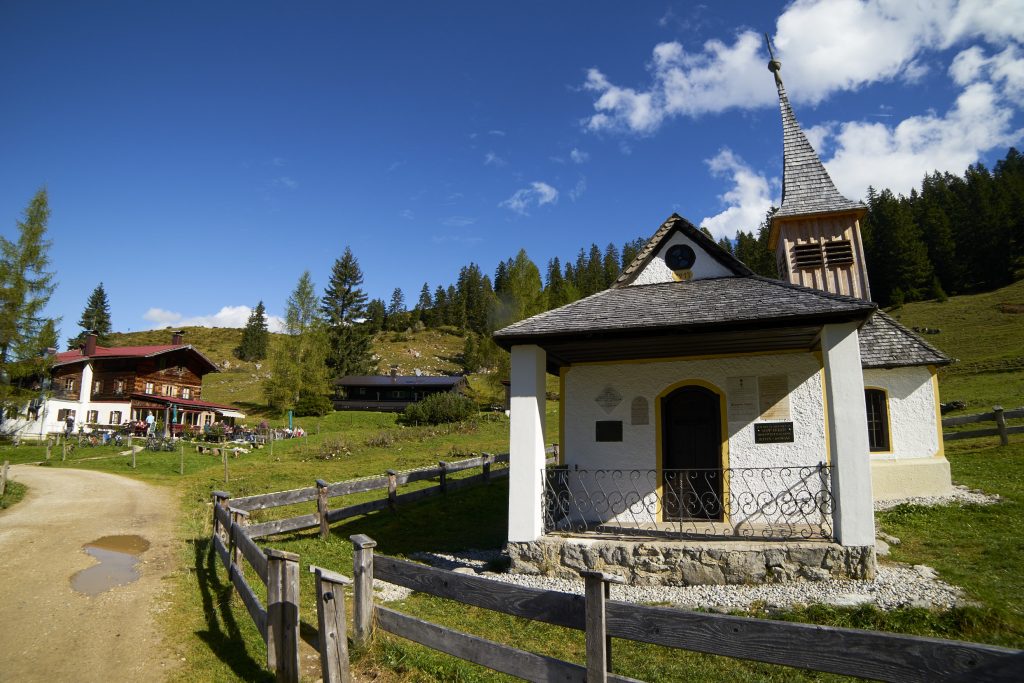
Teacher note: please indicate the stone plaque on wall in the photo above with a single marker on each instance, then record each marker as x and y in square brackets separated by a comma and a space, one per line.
[742, 397]
[639, 411]
[773, 432]
[773, 396]
[609, 399]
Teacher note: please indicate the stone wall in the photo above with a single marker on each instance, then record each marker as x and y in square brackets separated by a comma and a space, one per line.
[647, 563]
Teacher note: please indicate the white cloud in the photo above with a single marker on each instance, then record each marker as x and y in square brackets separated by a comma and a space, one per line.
[538, 194]
[407, 214]
[579, 157]
[818, 48]
[458, 221]
[492, 159]
[499, 133]
[746, 201]
[580, 188]
[897, 157]
[285, 181]
[228, 316]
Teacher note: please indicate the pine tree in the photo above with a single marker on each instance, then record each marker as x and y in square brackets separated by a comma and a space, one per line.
[424, 304]
[610, 266]
[343, 305]
[397, 318]
[255, 336]
[376, 315]
[25, 289]
[95, 318]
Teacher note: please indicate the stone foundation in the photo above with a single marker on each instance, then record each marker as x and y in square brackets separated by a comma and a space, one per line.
[647, 563]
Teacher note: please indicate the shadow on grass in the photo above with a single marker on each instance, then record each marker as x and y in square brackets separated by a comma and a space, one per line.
[473, 518]
[222, 634]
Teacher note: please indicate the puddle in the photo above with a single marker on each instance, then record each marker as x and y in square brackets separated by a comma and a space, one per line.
[118, 558]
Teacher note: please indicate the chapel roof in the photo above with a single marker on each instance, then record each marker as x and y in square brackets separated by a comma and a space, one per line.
[807, 188]
[698, 305]
[884, 343]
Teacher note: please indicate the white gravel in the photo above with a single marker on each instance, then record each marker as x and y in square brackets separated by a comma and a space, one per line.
[895, 585]
[961, 494]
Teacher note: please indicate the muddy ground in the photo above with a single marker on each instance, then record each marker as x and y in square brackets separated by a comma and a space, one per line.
[50, 632]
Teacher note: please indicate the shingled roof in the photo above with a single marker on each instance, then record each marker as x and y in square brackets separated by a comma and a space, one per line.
[806, 186]
[884, 343]
[697, 305]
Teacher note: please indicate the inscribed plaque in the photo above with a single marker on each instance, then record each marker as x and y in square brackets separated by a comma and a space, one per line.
[773, 396]
[742, 398]
[773, 432]
[639, 411]
[609, 398]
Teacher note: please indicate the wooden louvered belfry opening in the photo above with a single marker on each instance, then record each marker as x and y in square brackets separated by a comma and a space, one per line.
[822, 254]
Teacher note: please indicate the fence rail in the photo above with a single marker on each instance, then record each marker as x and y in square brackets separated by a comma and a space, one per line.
[998, 415]
[769, 503]
[853, 652]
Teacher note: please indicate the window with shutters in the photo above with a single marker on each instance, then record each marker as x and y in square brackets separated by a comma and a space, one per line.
[806, 256]
[838, 253]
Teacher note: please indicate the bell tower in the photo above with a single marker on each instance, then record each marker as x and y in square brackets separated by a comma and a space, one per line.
[816, 233]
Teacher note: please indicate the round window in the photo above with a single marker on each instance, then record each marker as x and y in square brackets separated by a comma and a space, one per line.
[680, 257]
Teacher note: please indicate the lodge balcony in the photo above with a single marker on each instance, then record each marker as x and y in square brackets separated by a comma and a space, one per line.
[747, 504]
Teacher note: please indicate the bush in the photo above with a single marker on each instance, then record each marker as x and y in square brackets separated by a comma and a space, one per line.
[440, 408]
[313, 405]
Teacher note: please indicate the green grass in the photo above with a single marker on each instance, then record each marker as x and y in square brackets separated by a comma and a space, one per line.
[986, 333]
[13, 492]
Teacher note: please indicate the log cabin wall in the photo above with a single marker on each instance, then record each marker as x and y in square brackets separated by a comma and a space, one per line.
[849, 280]
[175, 370]
[61, 376]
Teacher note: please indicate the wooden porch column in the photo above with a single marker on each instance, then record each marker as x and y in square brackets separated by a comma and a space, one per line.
[526, 444]
[854, 517]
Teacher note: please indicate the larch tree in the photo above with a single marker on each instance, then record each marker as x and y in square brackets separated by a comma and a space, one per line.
[298, 366]
[95, 318]
[25, 288]
[344, 306]
[255, 336]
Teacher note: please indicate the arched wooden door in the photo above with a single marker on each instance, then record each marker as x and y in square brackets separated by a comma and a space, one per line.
[691, 454]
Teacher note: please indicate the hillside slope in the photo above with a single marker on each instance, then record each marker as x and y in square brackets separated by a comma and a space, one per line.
[432, 352]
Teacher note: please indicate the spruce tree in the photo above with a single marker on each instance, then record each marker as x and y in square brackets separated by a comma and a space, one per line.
[26, 285]
[397, 318]
[255, 336]
[95, 317]
[343, 305]
[376, 314]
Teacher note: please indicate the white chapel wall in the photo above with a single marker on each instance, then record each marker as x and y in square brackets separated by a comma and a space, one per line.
[914, 432]
[656, 271]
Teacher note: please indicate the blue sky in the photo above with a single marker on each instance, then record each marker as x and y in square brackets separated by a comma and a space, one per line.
[199, 156]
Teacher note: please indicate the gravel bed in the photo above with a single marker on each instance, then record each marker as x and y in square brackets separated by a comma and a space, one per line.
[961, 494]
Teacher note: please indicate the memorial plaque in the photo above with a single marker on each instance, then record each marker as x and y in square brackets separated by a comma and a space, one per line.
[639, 411]
[609, 430]
[773, 396]
[609, 399]
[773, 432]
[742, 396]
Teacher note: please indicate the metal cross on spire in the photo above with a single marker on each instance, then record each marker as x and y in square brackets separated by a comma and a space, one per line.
[774, 65]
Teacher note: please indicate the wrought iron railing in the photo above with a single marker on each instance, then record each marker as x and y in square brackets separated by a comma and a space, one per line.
[768, 503]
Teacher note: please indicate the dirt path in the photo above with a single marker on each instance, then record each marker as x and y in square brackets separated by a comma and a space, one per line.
[49, 632]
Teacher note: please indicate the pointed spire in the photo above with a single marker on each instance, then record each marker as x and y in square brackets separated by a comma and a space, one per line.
[806, 186]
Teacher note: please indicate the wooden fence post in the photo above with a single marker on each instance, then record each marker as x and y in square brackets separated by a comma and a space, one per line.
[48, 446]
[3, 478]
[224, 451]
[444, 476]
[321, 508]
[181, 463]
[599, 643]
[488, 459]
[1004, 439]
[555, 451]
[283, 614]
[330, 616]
[64, 451]
[362, 575]
[239, 518]
[220, 499]
[392, 488]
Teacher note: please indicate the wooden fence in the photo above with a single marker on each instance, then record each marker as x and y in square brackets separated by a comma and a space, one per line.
[278, 621]
[852, 652]
[323, 492]
[998, 415]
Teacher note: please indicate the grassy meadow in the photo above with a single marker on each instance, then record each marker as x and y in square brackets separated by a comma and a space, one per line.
[209, 632]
